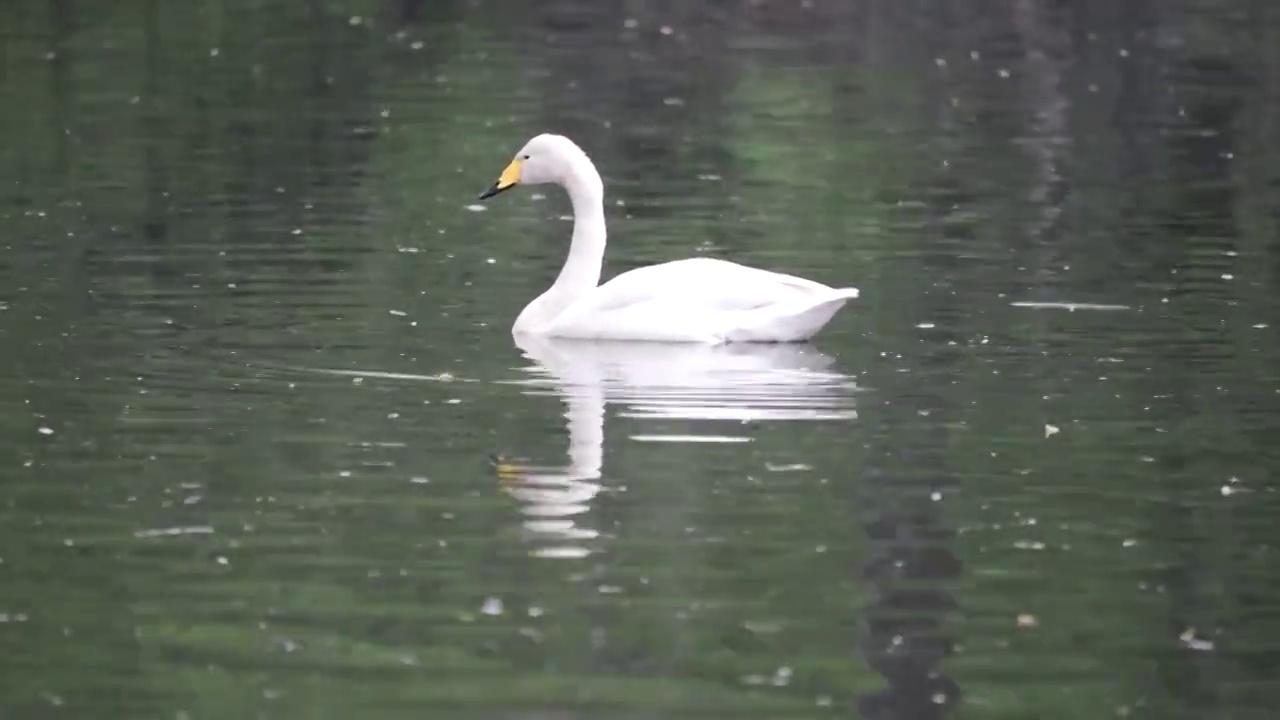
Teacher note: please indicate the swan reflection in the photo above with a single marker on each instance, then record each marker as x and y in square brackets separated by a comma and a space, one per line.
[739, 382]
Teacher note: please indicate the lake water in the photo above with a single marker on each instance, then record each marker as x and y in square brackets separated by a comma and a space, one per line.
[268, 449]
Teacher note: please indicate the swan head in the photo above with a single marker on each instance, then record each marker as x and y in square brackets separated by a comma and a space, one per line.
[546, 158]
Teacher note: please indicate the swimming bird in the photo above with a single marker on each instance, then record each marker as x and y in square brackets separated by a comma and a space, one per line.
[698, 300]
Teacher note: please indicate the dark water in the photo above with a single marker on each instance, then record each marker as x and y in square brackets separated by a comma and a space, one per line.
[268, 449]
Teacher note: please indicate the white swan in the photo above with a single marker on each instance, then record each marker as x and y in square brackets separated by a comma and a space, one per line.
[701, 300]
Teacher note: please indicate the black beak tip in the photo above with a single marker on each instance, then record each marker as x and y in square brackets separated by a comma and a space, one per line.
[489, 193]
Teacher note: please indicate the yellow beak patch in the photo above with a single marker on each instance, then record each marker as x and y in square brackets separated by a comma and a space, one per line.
[510, 176]
[507, 180]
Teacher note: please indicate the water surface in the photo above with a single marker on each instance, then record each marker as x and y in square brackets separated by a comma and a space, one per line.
[269, 449]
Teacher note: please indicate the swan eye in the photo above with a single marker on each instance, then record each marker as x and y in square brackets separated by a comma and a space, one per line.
[524, 157]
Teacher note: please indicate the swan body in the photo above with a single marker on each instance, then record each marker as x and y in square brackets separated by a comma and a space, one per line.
[699, 300]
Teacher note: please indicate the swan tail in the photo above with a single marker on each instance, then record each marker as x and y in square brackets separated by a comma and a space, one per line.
[795, 321]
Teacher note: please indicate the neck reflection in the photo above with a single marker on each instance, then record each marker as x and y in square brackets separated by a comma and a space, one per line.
[652, 382]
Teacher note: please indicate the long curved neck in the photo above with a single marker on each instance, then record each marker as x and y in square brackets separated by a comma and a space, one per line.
[581, 271]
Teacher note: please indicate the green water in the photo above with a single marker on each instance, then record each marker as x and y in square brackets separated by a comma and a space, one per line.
[268, 449]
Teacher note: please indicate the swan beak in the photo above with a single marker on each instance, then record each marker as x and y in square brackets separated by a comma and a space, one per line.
[507, 180]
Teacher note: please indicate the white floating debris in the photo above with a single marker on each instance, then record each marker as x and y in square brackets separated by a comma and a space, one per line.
[1067, 305]
[691, 438]
[398, 313]
[174, 531]
[1051, 430]
[45, 430]
[926, 326]
[477, 207]
[794, 467]
[1189, 640]
[1231, 489]
[492, 606]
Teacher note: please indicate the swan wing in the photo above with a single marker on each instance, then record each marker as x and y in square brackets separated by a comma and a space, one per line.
[698, 300]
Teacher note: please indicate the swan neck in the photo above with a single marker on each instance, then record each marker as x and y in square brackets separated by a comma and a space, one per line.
[581, 271]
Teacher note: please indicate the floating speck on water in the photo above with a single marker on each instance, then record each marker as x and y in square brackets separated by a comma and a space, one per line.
[1129, 542]
[926, 326]
[1190, 641]
[793, 467]
[452, 401]
[1003, 73]
[214, 52]
[296, 231]
[417, 45]
[222, 560]
[491, 261]
[666, 30]
[935, 496]
[344, 473]
[419, 480]
[357, 381]
[385, 113]
[782, 676]
[492, 606]
[398, 313]
[477, 207]
[1228, 276]
[939, 698]
[673, 101]
[45, 431]
[175, 531]
[355, 20]
[1260, 326]
[1051, 430]
[1027, 620]
[535, 611]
